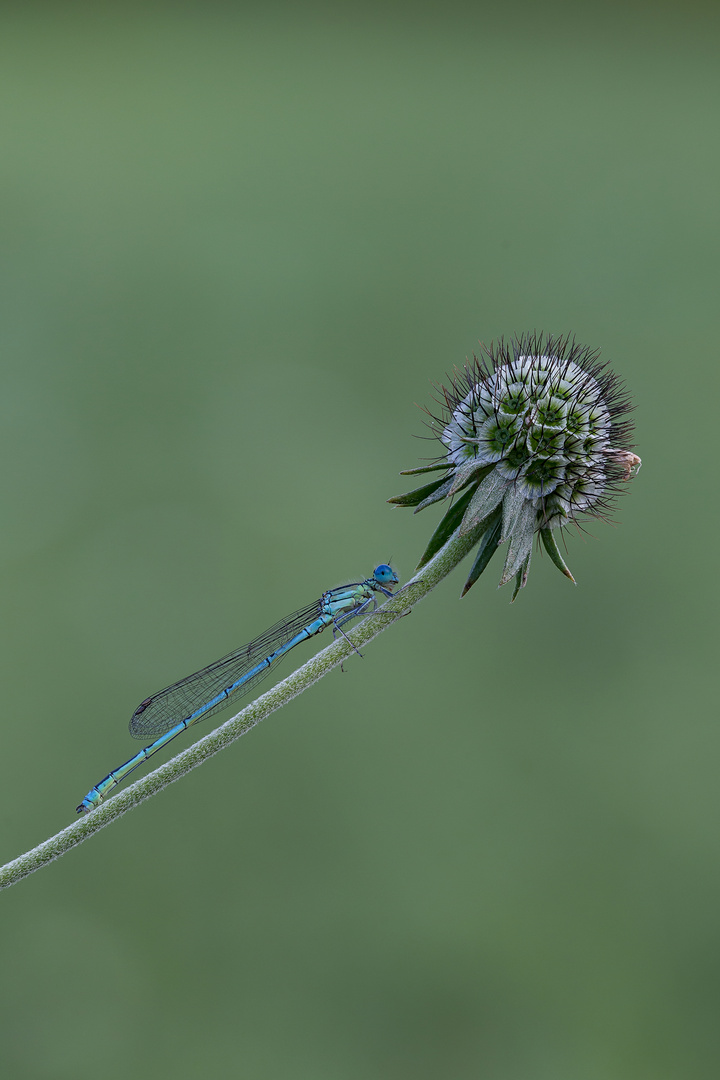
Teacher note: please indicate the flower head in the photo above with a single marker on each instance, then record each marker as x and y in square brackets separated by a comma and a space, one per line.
[534, 436]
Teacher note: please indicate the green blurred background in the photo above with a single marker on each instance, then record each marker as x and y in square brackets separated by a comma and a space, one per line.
[238, 244]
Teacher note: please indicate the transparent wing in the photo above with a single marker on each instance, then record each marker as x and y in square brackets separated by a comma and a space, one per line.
[162, 711]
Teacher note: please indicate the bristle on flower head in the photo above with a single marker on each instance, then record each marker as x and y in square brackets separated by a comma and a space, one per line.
[533, 434]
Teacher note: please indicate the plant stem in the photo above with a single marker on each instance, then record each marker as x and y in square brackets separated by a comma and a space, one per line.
[418, 587]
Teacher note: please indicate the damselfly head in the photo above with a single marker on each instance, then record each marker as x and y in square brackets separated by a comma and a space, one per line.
[385, 575]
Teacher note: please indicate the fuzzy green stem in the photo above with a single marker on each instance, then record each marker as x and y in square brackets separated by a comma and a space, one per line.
[431, 575]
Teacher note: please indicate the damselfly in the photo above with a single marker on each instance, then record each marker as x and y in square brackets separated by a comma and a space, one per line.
[164, 715]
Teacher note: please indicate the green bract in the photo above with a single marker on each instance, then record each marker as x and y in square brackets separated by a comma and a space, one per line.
[534, 437]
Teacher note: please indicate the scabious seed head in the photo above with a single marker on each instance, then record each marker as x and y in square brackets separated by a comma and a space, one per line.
[534, 434]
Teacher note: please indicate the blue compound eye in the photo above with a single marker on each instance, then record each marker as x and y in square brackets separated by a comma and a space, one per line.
[385, 574]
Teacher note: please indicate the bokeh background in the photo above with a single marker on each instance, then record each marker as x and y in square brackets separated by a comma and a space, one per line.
[239, 243]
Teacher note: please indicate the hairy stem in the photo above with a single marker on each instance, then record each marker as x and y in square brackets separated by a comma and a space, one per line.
[439, 567]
